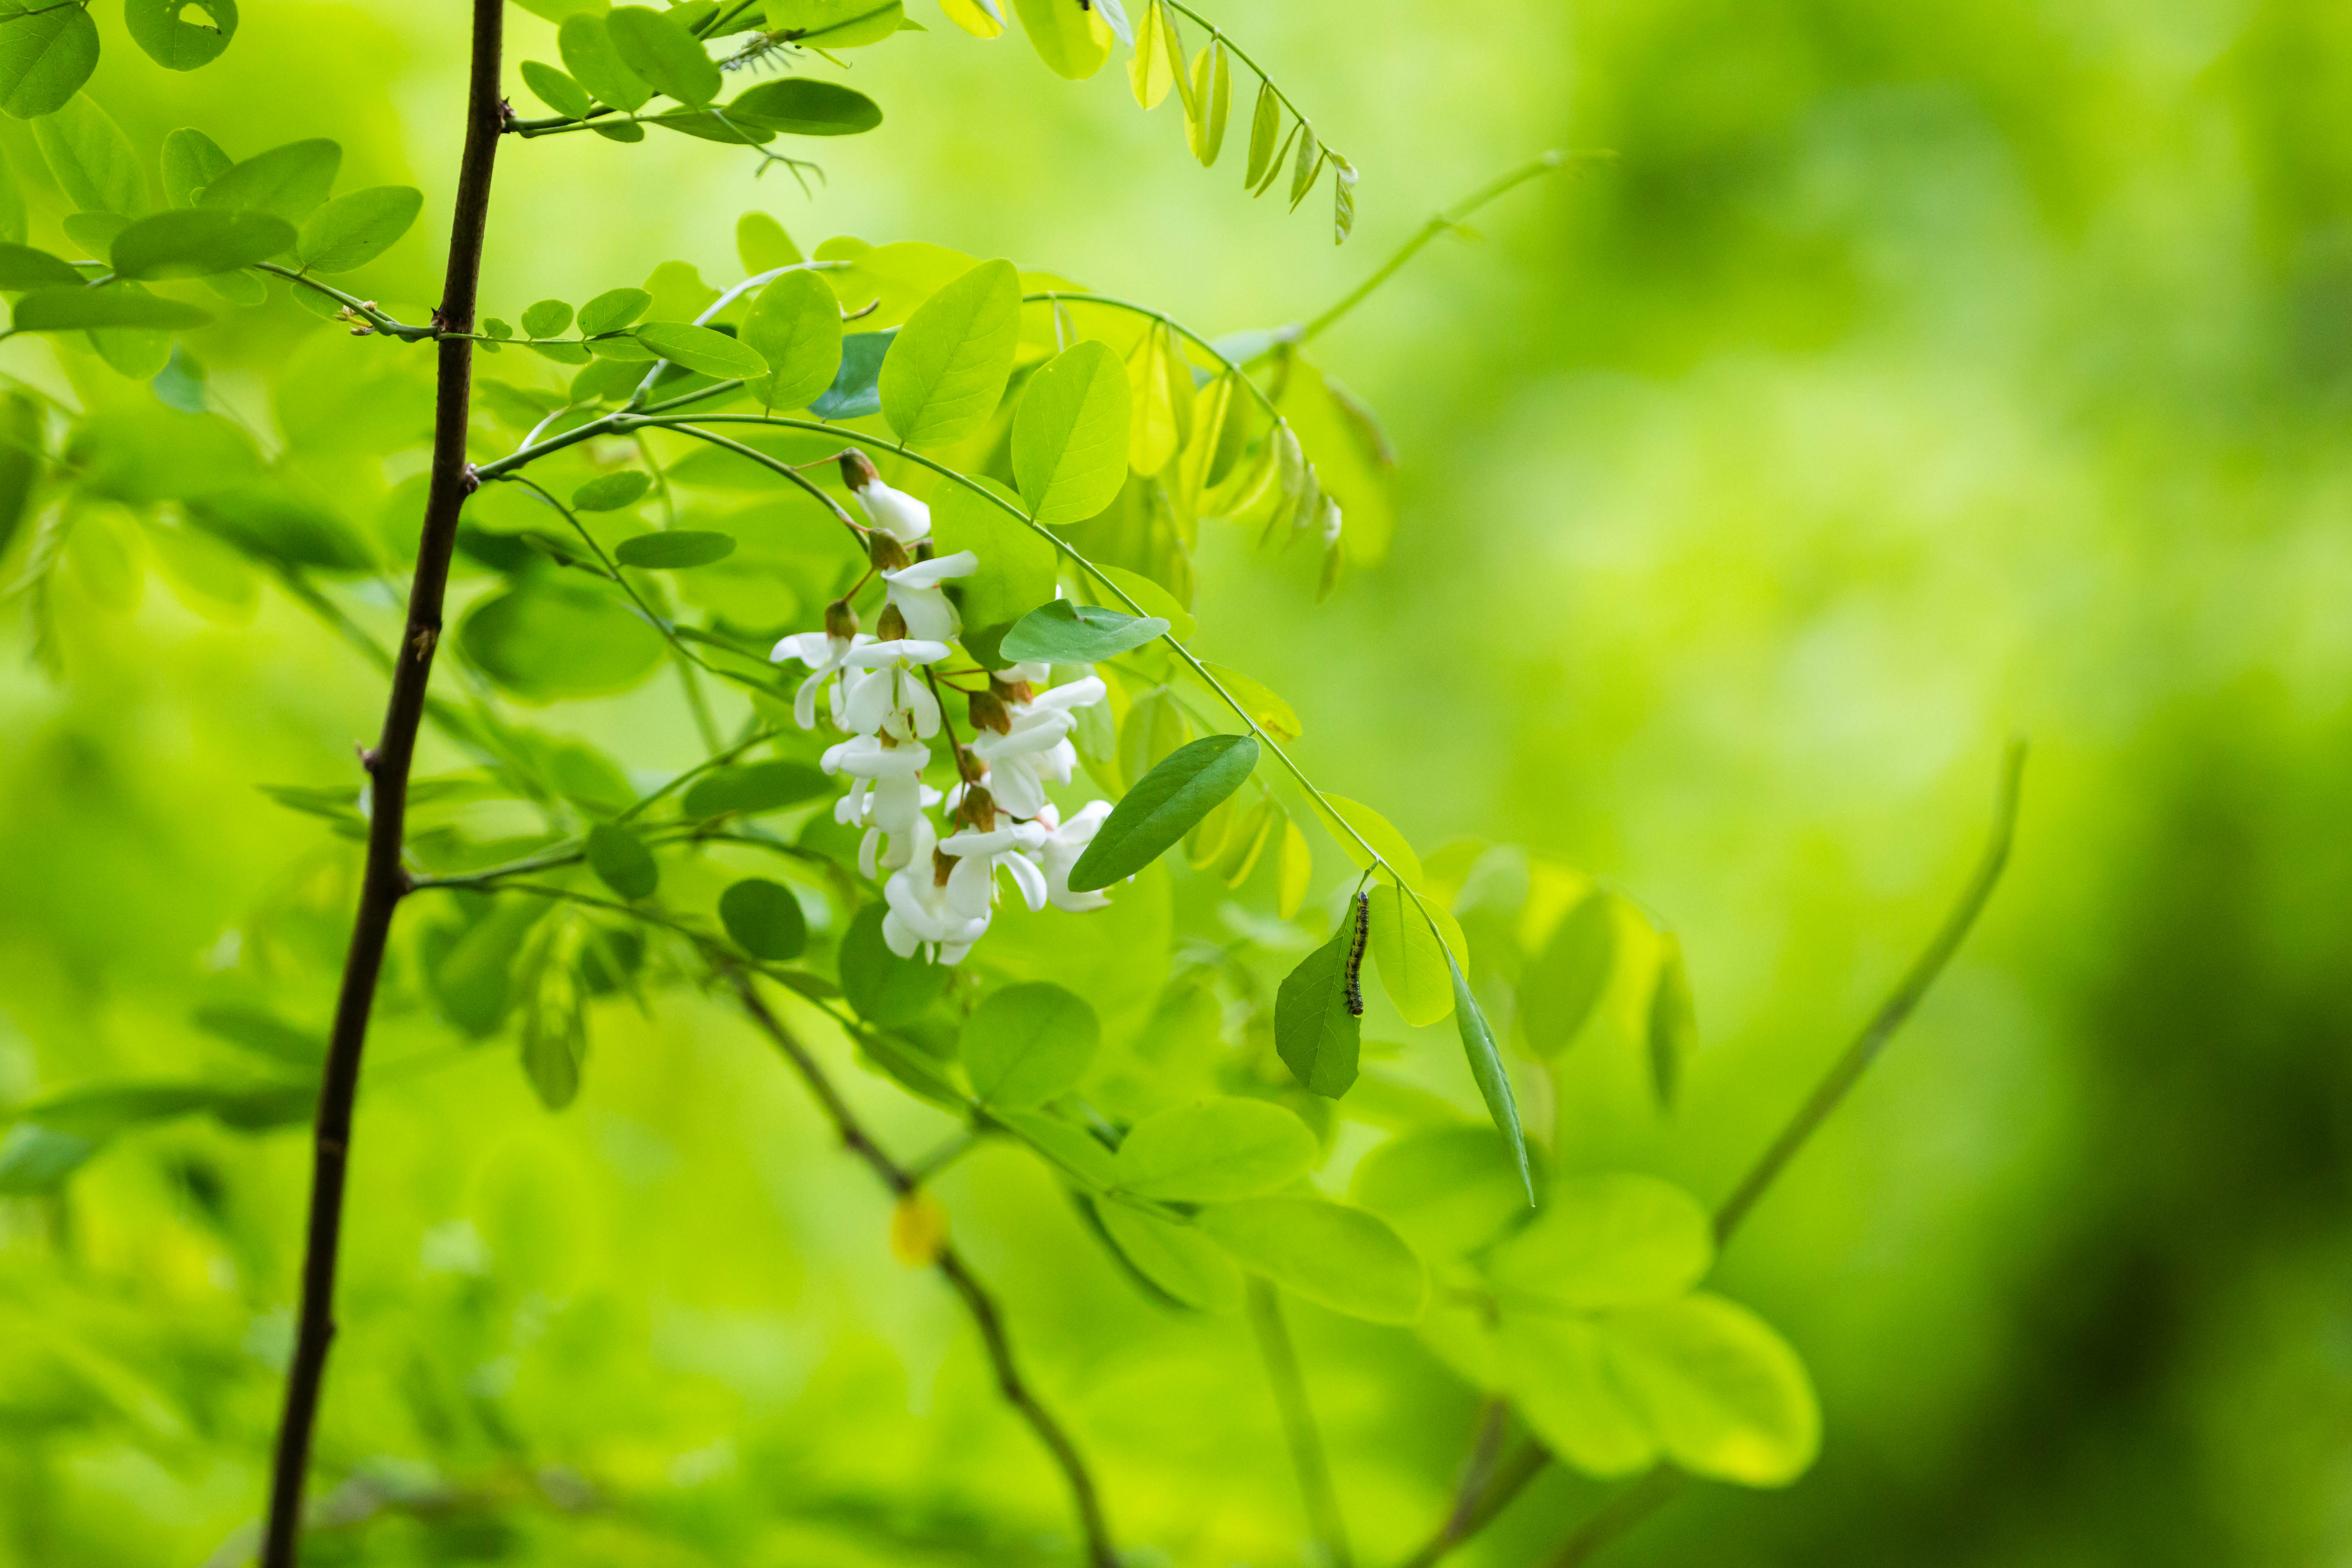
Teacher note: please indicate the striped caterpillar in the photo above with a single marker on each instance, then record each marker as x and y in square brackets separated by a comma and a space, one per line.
[1356, 954]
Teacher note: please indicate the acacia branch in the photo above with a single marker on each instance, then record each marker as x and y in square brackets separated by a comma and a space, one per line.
[977, 1301]
[385, 880]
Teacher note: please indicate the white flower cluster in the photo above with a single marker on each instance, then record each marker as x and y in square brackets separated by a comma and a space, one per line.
[940, 890]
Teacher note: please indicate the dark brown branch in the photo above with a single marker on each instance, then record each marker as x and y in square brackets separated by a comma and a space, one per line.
[976, 1299]
[385, 882]
[1475, 1508]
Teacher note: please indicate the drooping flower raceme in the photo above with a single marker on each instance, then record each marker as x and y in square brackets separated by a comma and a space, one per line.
[915, 593]
[1035, 747]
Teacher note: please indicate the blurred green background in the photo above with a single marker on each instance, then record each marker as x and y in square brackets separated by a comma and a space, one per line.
[1914, 374]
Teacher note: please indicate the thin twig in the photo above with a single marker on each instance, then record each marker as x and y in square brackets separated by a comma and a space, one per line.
[1298, 1428]
[385, 880]
[976, 1299]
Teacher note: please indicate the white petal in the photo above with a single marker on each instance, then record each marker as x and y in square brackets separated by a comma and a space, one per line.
[1028, 878]
[931, 574]
[971, 885]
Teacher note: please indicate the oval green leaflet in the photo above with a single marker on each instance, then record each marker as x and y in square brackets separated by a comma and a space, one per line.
[795, 326]
[45, 55]
[799, 106]
[1604, 1241]
[702, 349]
[946, 370]
[171, 39]
[1215, 1151]
[71, 310]
[1559, 989]
[94, 161]
[1415, 960]
[546, 319]
[1332, 1255]
[1028, 1044]
[552, 641]
[613, 309]
[622, 862]
[22, 267]
[1314, 1033]
[674, 550]
[1163, 807]
[355, 228]
[1062, 632]
[1073, 40]
[750, 788]
[589, 55]
[190, 161]
[557, 90]
[1070, 435]
[611, 492]
[289, 181]
[837, 24]
[764, 918]
[663, 54]
[1674, 1020]
[197, 242]
[1725, 1395]
[1177, 1258]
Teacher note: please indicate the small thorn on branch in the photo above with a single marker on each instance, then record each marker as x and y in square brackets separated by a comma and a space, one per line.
[472, 479]
[367, 754]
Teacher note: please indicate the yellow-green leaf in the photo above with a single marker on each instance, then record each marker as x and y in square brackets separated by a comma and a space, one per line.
[1412, 959]
[946, 370]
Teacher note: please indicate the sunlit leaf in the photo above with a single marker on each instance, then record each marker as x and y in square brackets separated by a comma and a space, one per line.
[1178, 1258]
[1070, 435]
[1215, 1151]
[354, 229]
[1334, 1256]
[197, 241]
[1163, 806]
[1557, 1373]
[1265, 126]
[1448, 1191]
[837, 24]
[1065, 633]
[1071, 38]
[589, 55]
[289, 181]
[945, 374]
[663, 54]
[181, 34]
[1604, 1241]
[1027, 1043]
[795, 326]
[1415, 965]
[1725, 1395]
[46, 54]
[803, 106]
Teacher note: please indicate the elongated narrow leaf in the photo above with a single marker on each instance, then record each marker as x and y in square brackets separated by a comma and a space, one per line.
[622, 862]
[1066, 632]
[22, 267]
[589, 55]
[557, 90]
[1177, 1258]
[702, 349]
[197, 242]
[1674, 1022]
[117, 305]
[1343, 199]
[1161, 809]
[1215, 1151]
[1028, 1044]
[803, 106]
[1070, 435]
[1316, 1033]
[1558, 989]
[795, 326]
[45, 57]
[663, 54]
[1308, 163]
[613, 309]
[1265, 129]
[1486, 1067]
[945, 372]
[1334, 1256]
[290, 181]
[1213, 98]
[764, 918]
[1147, 73]
[750, 788]
[674, 551]
[181, 34]
[354, 229]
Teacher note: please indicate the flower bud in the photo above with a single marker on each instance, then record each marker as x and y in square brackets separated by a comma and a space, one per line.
[840, 621]
[988, 712]
[892, 627]
[1014, 691]
[977, 810]
[858, 471]
[886, 553]
[970, 767]
[942, 867]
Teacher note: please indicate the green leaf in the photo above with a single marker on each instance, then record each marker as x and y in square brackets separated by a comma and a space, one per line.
[557, 90]
[161, 27]
[664, 54]
[197, 242]
[16, 223]
[611, 492]
[1343, 199]
[1018, 566]
[762, 246]
[1558, 990]
[192, 160]
[801, 106]
[1415, 965]
[1075, 1151]
[1213, 98]
[945, 372]
[884, 989]
[1486, 1067]
[700, 349]
[289, 181]
[1725, 1395]
[35, 1158]
[547, 318]
[1617, 1239]
[837, 24]
[552, 641]
[589, 55]
[1449, 1191]
[1314, 1033]
[674, 551]
[1332, 1255]
[1673, 1021]
[354, 229]
[795, 327]
[94, 161]
[1266, 127]
[1070, 435]
[469, 967]
[1072, 39]
[612, 311]
[620, 858]
[22, 267]
[1027, 1043]
[94, 232]
[277, 524]
[853, 391]
[1163, 807]
[1215, 1151]
[1309, 165]
[69, 310]
[45, 57]
[1559, 1374]
[1178, 1258]
[752, 788]
[1063, 631]
[764, 918]
[1375, 830]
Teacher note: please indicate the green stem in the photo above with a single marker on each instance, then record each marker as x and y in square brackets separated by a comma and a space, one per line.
[1306, 1441]
[375, 318]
